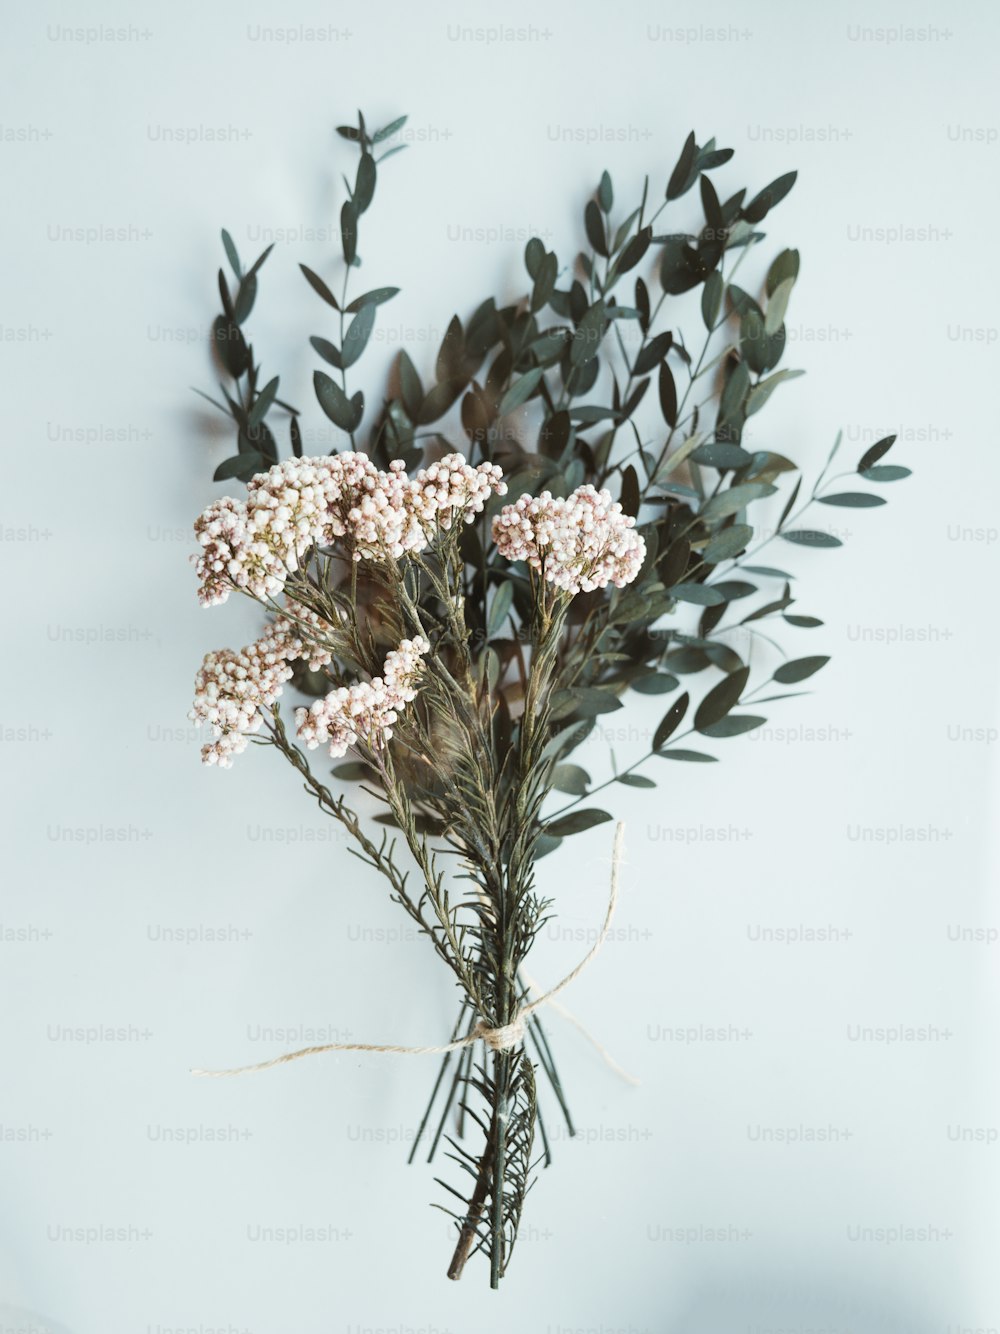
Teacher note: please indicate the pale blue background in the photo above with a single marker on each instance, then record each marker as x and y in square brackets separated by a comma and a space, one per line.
[107, 460]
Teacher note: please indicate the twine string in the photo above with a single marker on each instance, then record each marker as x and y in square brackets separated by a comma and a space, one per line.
[503, 1037]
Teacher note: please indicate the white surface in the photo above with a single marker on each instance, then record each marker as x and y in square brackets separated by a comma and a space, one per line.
[508, 134]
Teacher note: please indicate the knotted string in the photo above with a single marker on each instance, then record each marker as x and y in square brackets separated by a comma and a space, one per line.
[504, 1037]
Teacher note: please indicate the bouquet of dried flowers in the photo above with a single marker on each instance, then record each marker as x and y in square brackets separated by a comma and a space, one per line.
[460, 618]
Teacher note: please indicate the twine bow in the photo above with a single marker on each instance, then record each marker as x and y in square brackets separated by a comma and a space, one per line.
[504, 1037]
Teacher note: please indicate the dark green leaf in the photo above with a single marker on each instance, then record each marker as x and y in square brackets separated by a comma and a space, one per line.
[887, 472]
[570, 778]
[520, 391]
[364, 185]
[352, 772]
[410, 387]
[263, 404]
[668, 395]
[671, 721]
[721, 456]
[703, 595]
[358, 334]
[694, 756]
[683, 175]
[730, 542]
[373, 298]
[349, 231]
[872, 456]
[735, 499]
[798, 669]
[587, 338]
[657, 683]
[594, 225]
[231, 254]
[576, 823]
[734, 725]
[721, 698]
[243, 466]
[605, 194]
[341, 410]
[635, 780]
[319, 286]
[328, 351]
[858, 500]
[809, 537]
[772, 194]
[804, 622]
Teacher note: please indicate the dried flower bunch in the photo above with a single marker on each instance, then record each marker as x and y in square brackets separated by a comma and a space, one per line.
[459, 630]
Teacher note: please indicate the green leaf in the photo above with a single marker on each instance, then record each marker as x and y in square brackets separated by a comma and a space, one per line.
[730, 542]
[243, 465]
[671, 721]
[804, 622]
[343, 411]
[721, 456]
[691, 756]
[809, 537]
[763, 390]
[410, 387]
[352, 772]
[373, 298]
[772, 194]
[594, 225]
[635, 780]
[263, 404]
[736, 499]
[798, 669]
[328, 351]
[570, 778]
[857, 500]
[576, 823]
[774, 316]
[653, 353]
[587, 701]
[520, 391]
[245, 298]
[668, 395]
[588, 335]
[387, 131]
[702, 595]
[358, 334]
[231, 254]
[634, 251]
[683, 175]
[499, 608]
[768, 571]
[721, 698]
[605, 194]
[783, 267]
[349, 231]
[734, 725]
[364, 184]
[534, 253]
[657, 683]
[319, 287]
[887, 472]
[711, 297]
[872, 456]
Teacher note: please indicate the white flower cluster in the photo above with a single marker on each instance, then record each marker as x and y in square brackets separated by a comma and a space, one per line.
[234, 686]
[302, 502]
[365, 712]
[579, 544]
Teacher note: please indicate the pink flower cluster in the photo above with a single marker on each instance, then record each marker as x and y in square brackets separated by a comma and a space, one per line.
[254, 546]
[579, 544]
[365, 712]
[233, 687]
